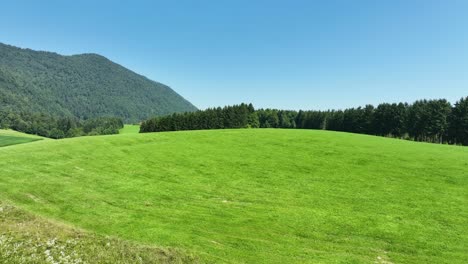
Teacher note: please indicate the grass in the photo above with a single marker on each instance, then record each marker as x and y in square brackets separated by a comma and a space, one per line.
[130, 129]
[11, 137]
[253, 196]
[9, 132]
[25, 238]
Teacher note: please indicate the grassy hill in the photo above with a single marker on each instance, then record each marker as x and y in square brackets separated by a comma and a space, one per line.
[11, 137]
[26, 238]
[130, 129]
[253, 196]
[13, 133]
[84, 86]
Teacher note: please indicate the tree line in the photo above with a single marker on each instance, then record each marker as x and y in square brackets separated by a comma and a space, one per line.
[58, 127]
[435, 121]
[237, 116]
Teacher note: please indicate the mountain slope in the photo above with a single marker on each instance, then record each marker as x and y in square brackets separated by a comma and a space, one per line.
[84, 86]
[253, 195]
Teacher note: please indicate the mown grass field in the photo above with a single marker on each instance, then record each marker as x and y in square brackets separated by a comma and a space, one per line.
[253, 196]
[10, 137]
[26, 238]
[130, 129]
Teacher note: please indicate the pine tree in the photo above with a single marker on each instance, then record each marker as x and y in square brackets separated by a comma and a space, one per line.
[458, 127]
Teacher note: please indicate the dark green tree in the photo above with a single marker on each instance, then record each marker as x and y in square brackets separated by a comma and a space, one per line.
[458, 122]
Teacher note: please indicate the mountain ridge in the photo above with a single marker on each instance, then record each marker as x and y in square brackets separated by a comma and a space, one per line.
[84, 85]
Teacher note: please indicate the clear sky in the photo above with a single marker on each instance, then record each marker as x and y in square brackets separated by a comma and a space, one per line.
[283, 54]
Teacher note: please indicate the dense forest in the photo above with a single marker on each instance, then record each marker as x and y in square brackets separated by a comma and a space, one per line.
[435, 121]
[238, 116]
[54, 127]
[82, 86]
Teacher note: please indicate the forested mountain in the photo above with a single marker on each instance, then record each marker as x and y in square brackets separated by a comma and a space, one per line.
[82, 86]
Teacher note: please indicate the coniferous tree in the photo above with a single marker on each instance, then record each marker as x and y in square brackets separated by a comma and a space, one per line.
[439, 111]
[424, 120]
[458, 122]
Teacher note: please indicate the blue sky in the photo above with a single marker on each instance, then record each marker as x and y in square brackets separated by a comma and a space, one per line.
[280, 54]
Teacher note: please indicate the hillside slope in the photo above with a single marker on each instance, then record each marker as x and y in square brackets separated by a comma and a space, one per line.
[13, 133]
[253, 196]
[26, 238]
[84, 86]
[11, 137]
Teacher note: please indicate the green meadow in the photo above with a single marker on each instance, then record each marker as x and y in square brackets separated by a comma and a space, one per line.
[26, 238]
[249, 195]
[11, 137]
[130, 129]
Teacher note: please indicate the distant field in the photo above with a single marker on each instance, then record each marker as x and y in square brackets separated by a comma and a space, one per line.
[10, 137]
[253, 195]
[130, 129]
[9, 132]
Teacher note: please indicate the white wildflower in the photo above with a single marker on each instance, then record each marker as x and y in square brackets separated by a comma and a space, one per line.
[50, 243]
